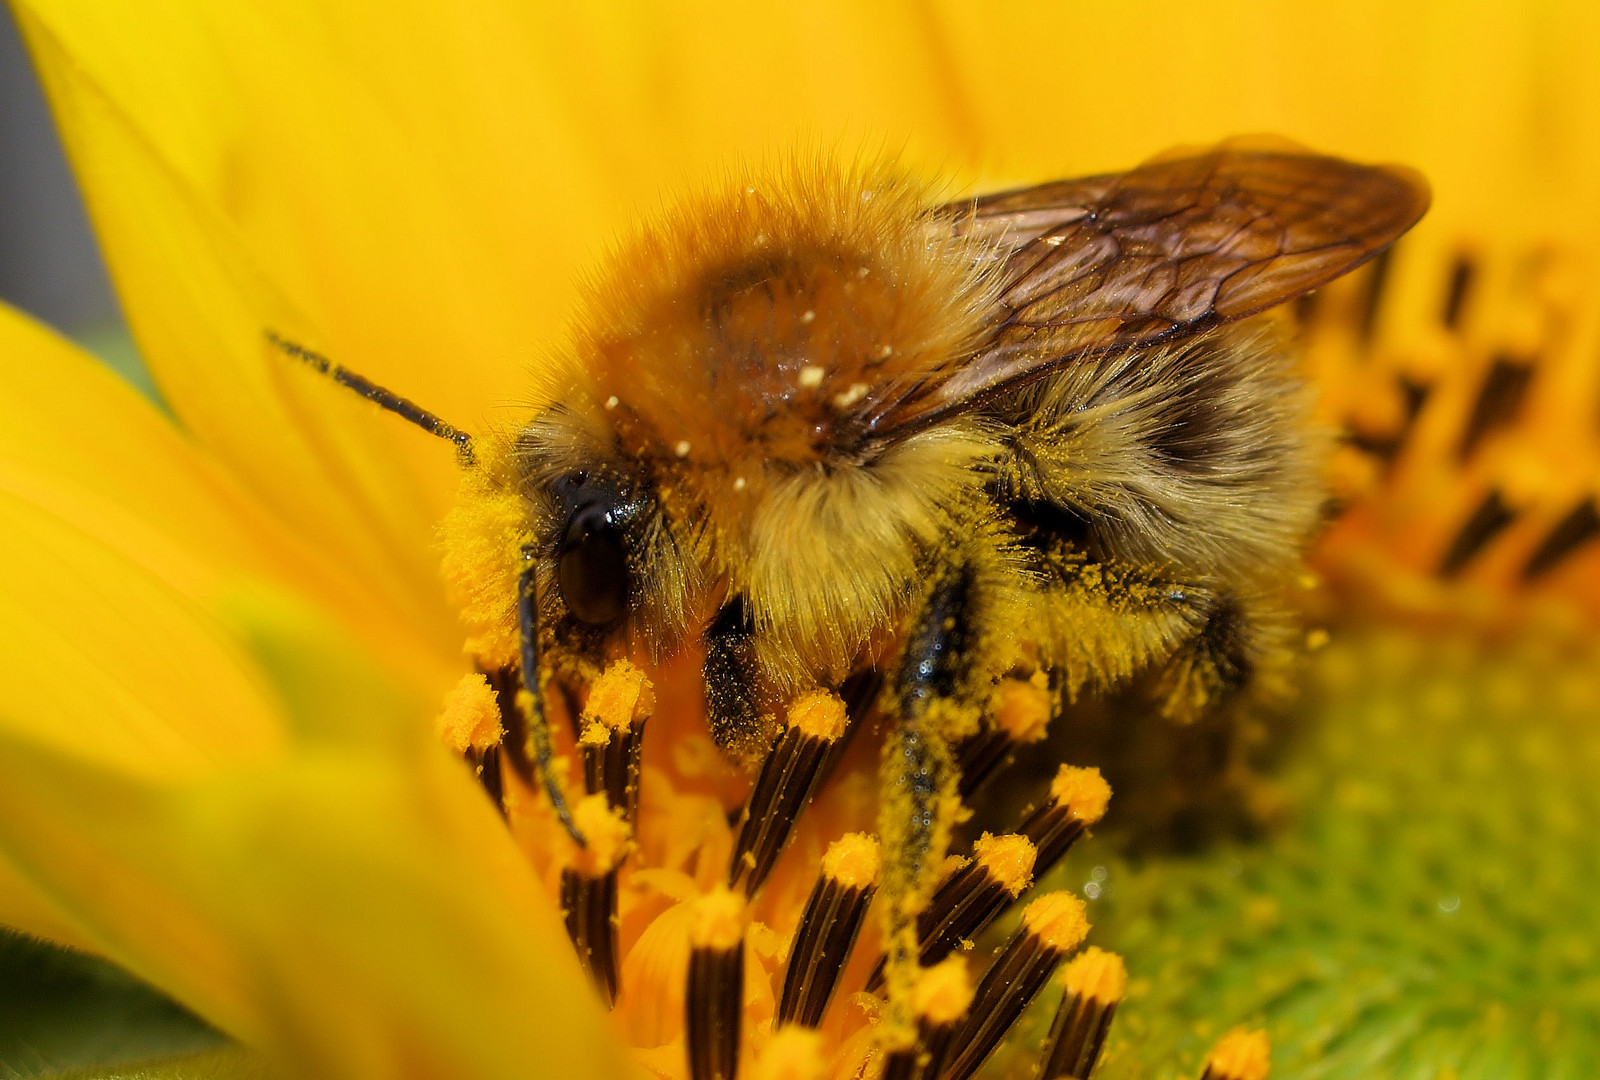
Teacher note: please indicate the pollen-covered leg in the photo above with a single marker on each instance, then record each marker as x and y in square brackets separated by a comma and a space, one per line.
[828, 928]
[788, 778]
[943, 675]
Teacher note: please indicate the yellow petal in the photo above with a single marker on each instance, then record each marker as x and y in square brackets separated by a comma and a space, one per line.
[116, 529]
[364, 488]
[353, 907]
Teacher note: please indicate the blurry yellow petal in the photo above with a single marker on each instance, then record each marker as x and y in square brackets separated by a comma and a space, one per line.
[115, 530]
[363, 487]
[354, 908]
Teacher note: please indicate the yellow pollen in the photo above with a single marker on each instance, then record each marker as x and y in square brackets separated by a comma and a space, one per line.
[852, 394]
[1096, 974]
[819, 714]
[1083, 792]
[719, 918]
[1057, 920]
[1241, 1054]
[1009, 860]
[612, 402]
[471, 717]
[852, 861]
[1021, 708]
[795, 1053]
[942, 992]
[607, 839]
[811, 376]
[621, 695]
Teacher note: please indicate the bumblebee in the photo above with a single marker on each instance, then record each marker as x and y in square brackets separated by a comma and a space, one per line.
[836, 435]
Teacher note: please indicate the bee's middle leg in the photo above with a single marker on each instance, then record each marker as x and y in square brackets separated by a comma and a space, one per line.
[938, 687]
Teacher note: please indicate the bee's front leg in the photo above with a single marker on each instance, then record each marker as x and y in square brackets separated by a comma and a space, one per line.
[944, 674]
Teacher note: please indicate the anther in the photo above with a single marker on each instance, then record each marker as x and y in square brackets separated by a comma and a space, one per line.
[471, 726]
[1078, 799]
[1567, 535]
[1052, 927]
[970, 899]
[789, 776]
[1095, 982]
[1239, 1055]
[589, 890]
[714, 1001]
[793, 1053]
[1019, 712]
[1492, 517]
[1499, 399]
[940, 998]
[828, 928]
[1455, 302]
[613, 719]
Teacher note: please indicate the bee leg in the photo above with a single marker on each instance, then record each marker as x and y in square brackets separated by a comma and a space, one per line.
[733, 712]
[530, 702]
[935, 688]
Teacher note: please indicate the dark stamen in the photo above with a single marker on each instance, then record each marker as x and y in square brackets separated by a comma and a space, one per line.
[942, 995]
[1078, 799]
[1095, 982]
[486, 763]
[828, 928]
[589, 892]
[1569, 534]
[1461, 275]
[970, 899]
[1052, 927]
[1239, 1055]
[714, 1002]
[1498, 401]
[1019, 711]
[613, 720]
[1372, 296]
[1489, 520]
[788, 778]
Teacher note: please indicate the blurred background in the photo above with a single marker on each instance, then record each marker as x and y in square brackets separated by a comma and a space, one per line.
[50, 265]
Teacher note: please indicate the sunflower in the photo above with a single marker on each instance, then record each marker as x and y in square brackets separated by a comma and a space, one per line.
[228, 638]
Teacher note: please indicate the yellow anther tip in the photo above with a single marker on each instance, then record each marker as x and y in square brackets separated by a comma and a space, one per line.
[719, 918]
[853, 861]
[1021, 709]
[1059, 921]
[1083, 792]
[1096, 974]
[620, 696]
[607, 838]
[471, 717]
[1008, 859]
[942, 992]
[1241, 1054]
[819, 714]
[795, 1053]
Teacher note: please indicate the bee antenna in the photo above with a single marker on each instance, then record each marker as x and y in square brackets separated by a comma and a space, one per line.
[378, 395]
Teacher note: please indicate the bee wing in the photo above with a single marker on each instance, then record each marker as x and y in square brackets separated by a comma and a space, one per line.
[1180, 244]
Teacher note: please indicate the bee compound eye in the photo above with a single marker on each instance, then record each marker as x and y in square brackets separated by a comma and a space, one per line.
[592, 571]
